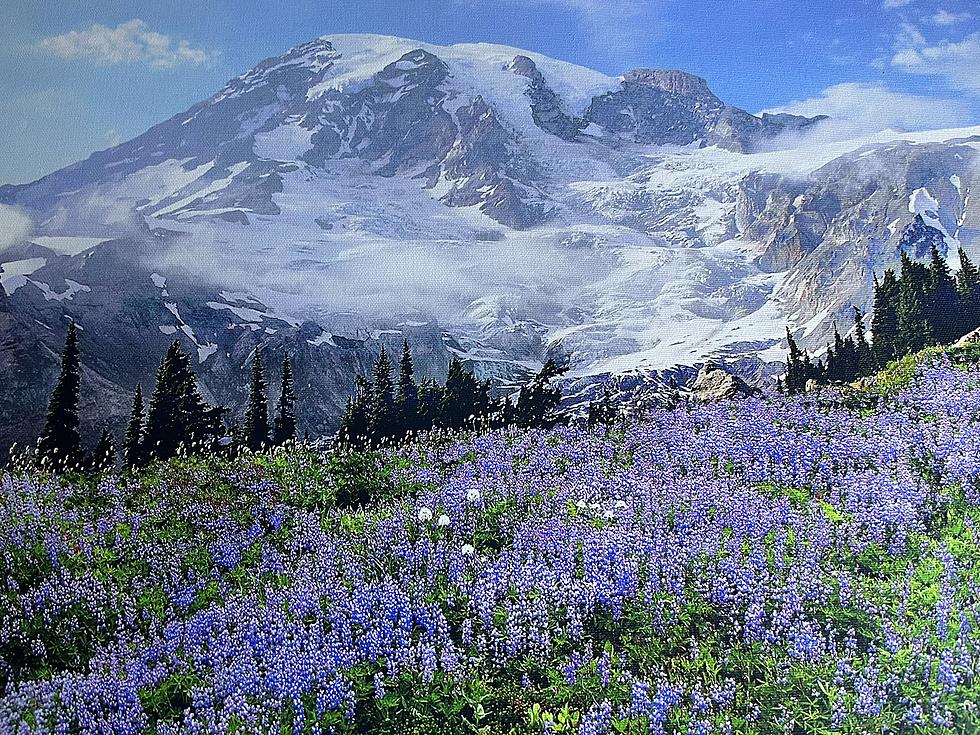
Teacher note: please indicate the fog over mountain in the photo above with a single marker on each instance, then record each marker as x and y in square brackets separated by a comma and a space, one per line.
[478, 200]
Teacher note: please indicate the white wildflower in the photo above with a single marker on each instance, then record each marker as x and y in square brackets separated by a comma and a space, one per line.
[473, 495]
[443, 520]
[425, 514]
[468, 549]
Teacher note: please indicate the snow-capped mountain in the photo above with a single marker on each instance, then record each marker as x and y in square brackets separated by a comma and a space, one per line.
[477, 199]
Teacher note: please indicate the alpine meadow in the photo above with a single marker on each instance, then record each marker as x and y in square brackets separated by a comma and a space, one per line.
[476, 386]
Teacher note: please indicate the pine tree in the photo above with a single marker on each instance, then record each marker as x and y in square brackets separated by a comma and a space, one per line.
[104, 455]
[60, 442]
[602, 412]
[459, 397]
[255, 427]
[284, 425]
[914, 331]
[865, 358]
[354, 424]
[132, 444]
[968, 287]
[943, 308]
[407, 402]
[884, 319]
[539, 399]
[381, 415]
[796, 369]
[178, 416]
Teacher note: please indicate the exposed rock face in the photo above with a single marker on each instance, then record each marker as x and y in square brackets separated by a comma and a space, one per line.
[475, 199]
[547, 108]
[715, 384]
[969, 339]
[662, 106]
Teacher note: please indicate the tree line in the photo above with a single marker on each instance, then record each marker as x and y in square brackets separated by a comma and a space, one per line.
[386, 409]
[177, 418]
[921, 306]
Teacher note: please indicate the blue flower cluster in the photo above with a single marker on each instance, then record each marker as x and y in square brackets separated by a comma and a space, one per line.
[775, 564]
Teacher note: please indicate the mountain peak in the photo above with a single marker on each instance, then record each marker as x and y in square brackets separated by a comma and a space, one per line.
[668, 80]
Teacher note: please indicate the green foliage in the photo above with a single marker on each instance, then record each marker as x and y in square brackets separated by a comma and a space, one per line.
[59, 445]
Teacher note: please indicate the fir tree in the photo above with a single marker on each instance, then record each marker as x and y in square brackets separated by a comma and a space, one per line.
[132, 444]
[104, 455]
[354, 424]
[968, 288]
[407, 402]
[914, 332]
[382, 422]
[539, 399]
[884, 319]
[60, 442]
[255, 428]
[178, 416]
[796, 369]
[865, 358]
[943, 308]
[602, 412]
[284, 425]
[459, 397]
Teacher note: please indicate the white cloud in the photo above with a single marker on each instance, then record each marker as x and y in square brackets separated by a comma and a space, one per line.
[128, 42]
[957, 63]
[858, 108]
[943, 17]
[893, 4]
[15, 226]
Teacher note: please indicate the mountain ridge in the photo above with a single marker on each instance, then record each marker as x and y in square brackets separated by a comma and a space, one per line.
[480, 200]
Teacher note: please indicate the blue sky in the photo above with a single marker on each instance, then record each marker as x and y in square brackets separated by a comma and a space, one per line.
[81, 75]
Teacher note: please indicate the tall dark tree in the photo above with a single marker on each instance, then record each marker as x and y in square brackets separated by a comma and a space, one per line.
[354, 424]
[133, 441]
[104, 454]
[796, 368]
[459, 397]
[884, 319]
[538, 401]
[178, 416]
[968, 287]
[382, 421]
[407, 401]
[284, 424]
[914, 331]
[865, 358]
[60, 442]
[255, 427]
[943, 308]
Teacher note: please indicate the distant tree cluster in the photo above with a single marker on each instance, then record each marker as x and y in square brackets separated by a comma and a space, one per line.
[177, 419]
[923, 305]
[383, 409]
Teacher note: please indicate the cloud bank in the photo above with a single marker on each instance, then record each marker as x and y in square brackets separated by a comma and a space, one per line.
[129, 42]
[858, 108]
[15, 226]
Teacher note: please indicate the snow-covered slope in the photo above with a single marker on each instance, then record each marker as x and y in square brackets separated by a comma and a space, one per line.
[503, 204]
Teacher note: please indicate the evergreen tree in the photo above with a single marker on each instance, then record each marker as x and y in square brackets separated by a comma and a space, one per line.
[354, 424]
[539, 399]
[382, 422]
[914, 331]
[968, 288]
[255, 428]
[178, 416]
[430, 403]
[865, 359]
[60, 441]
[884, 319]
[602, 412]
[104, 456]
[284, 425]
[132, 444]
[459, 397]
[943, 308]
[407, 402]
[796, 368]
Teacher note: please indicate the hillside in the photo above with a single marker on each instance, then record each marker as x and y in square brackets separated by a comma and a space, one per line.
[765, 565]
[478, 200]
